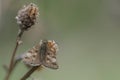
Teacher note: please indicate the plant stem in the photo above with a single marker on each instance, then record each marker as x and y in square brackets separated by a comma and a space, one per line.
[14, 65]
[29, 72]
[13, 54]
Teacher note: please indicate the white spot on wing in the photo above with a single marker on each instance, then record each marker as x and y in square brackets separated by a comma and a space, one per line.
[53, 60]
[28, 54]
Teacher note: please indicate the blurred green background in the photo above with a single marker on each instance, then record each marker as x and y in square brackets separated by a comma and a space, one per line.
[87, 31]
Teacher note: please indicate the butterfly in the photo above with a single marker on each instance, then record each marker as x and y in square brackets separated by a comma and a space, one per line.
[42, 54]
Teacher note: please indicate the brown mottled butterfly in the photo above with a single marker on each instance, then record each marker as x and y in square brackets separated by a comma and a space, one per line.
[42, 54]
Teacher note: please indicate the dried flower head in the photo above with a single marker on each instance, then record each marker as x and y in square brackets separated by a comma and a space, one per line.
[42, 54]
[27, 16]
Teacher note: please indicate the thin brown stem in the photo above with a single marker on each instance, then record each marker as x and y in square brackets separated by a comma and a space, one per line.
[13, 54]
[14, 65]
[29, 72]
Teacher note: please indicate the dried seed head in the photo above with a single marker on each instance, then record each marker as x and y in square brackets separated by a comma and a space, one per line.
[27, 16]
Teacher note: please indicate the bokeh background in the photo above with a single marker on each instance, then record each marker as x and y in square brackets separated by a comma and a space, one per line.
[87, 31]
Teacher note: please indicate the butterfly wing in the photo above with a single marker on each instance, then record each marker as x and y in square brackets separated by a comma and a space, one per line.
[48, 54]
[42, 54]
[31, 57]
